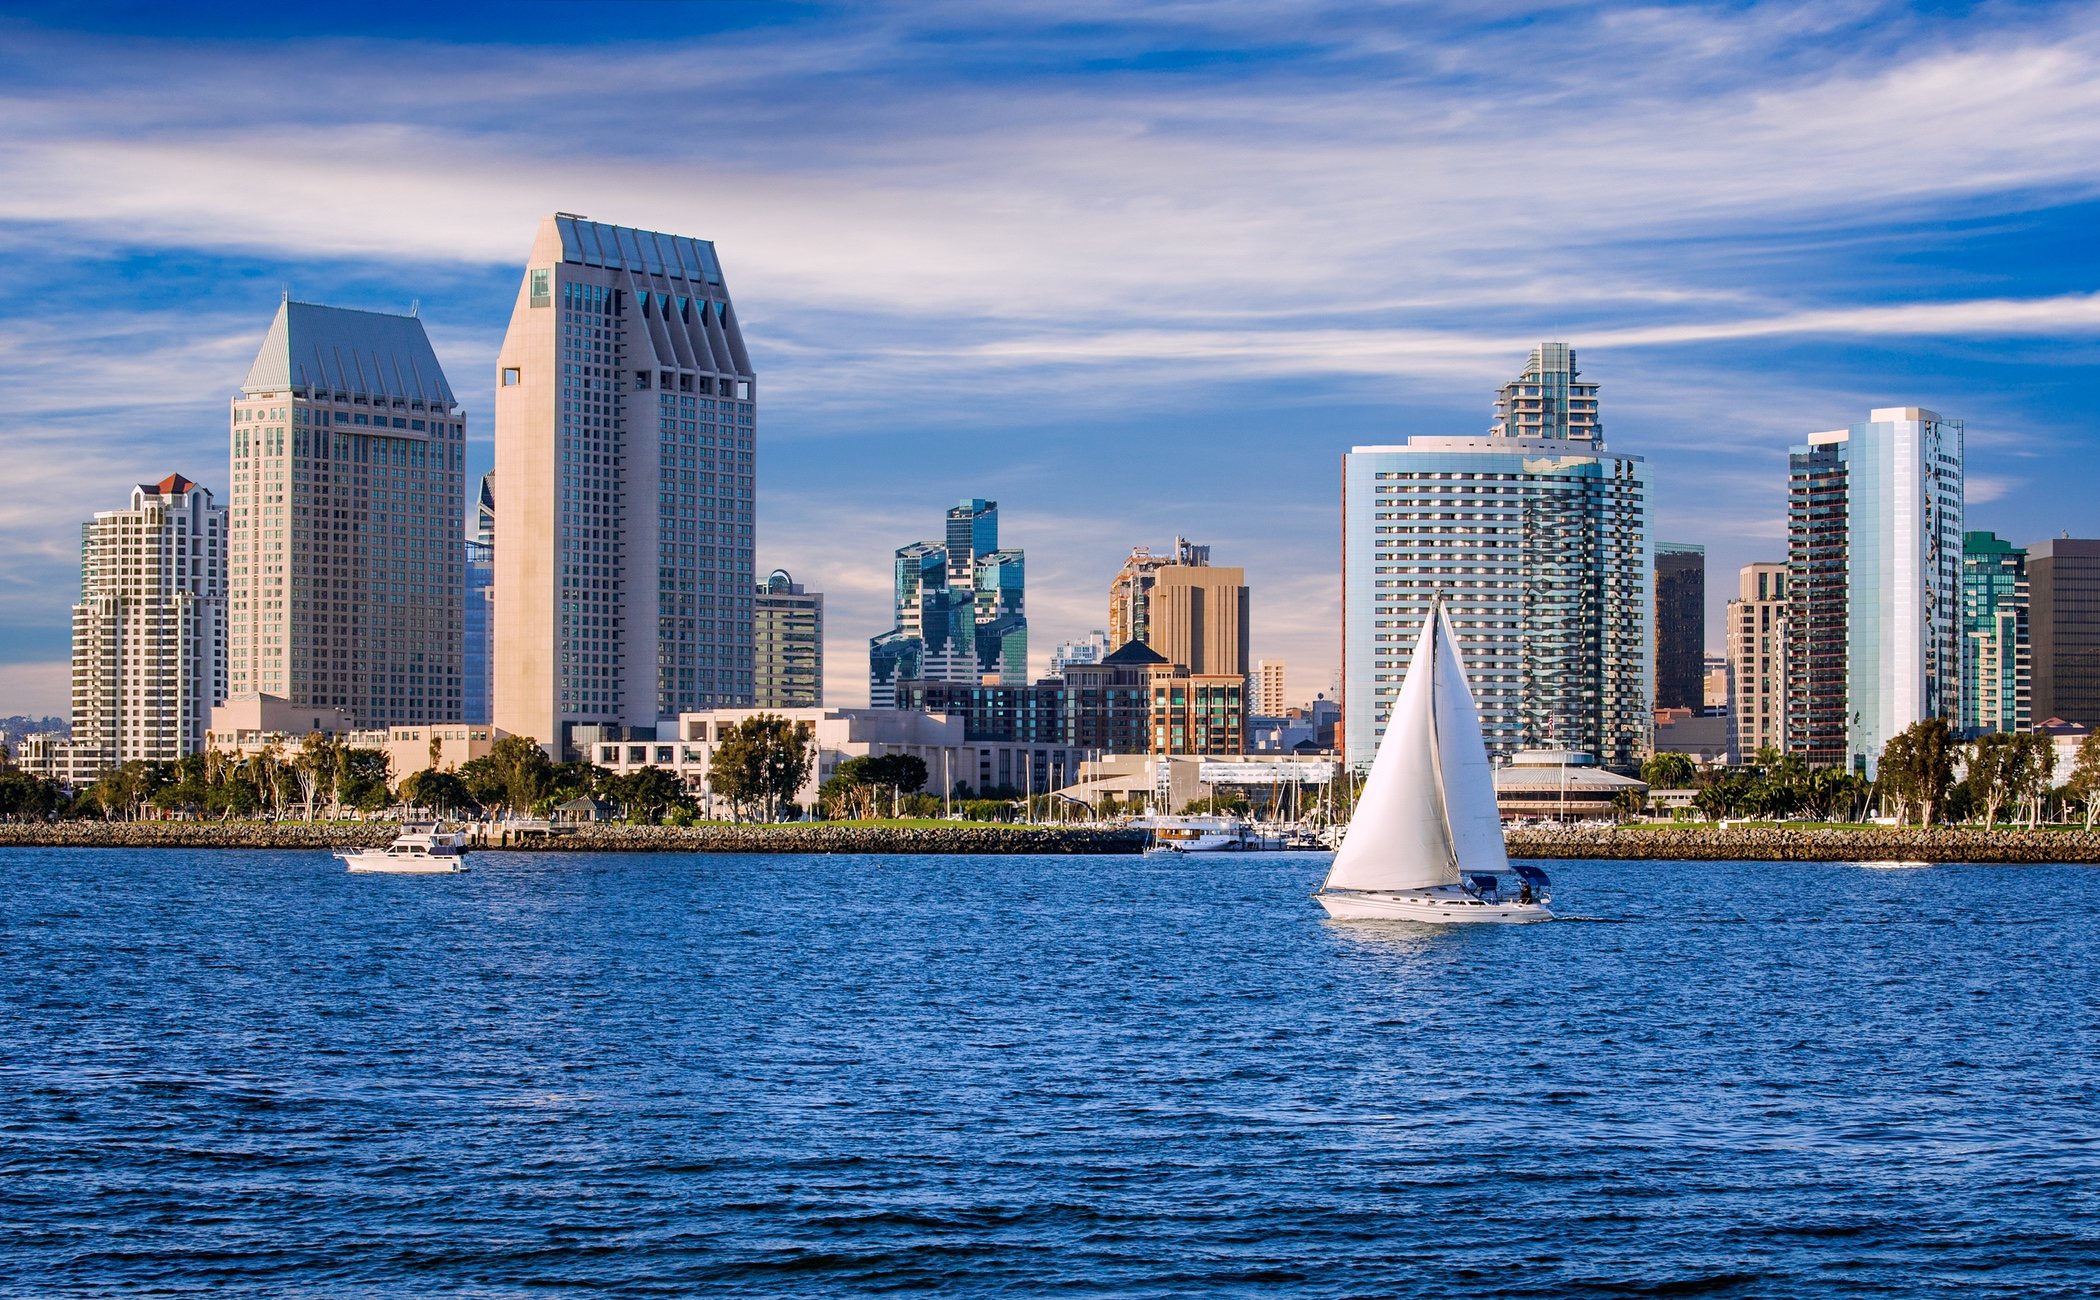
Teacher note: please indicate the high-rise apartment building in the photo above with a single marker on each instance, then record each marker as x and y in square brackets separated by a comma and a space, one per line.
[1680, 625]
[959, 607]
[1539, 543]
[478, 641]
[1192, 613]
[1267, 679]
[788, 644]
[1874, 576]
[149, 633]
[345, 575]
[2063, 581]
[1548, 400]
[1757, 644]
[626, 444]
[1996, 674]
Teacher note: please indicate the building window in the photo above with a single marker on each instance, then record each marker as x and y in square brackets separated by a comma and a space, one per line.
[510, 376]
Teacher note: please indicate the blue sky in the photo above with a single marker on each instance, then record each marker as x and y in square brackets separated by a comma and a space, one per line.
[1133, 270]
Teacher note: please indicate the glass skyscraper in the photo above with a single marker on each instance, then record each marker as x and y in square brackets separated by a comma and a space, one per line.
[478, 659]
[1996, 671]
[1874, 583]
[1680, 625]
[1539, 543]
[2063, 578]
[960, 609]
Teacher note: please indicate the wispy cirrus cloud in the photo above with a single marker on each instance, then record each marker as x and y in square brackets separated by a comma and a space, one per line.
[1087, 251]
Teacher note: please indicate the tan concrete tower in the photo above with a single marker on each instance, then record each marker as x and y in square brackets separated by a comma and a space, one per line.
[344, 572]
[625, 443]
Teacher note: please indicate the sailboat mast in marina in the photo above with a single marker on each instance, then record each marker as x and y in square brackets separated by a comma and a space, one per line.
[1426, 841]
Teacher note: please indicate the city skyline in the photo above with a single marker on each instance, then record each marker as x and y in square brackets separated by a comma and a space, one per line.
[1814, 272]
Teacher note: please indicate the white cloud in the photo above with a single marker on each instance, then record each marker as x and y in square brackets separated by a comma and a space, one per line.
[1982, 489]
[929, 220]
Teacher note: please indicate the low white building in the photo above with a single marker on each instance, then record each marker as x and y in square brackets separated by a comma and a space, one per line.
[935, 738]
[1288, 783]
[1558, 785]
[55, 757]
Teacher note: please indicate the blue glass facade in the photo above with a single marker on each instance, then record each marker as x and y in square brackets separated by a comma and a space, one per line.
[477, 645]
[960, 608]
[1996, 664]
[1874, 567]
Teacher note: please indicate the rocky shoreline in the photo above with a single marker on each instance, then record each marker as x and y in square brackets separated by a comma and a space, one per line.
[963, 837]
[1690, 843]
[1766, 844]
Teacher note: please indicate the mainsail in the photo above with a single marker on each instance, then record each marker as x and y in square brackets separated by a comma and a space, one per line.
[1427, 811]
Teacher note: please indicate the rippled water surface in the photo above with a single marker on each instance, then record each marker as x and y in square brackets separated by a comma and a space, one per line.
[821, 1076]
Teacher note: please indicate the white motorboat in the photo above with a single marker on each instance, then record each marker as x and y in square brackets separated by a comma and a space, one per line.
[416, 851]
[1426, 841]
[1197, 834]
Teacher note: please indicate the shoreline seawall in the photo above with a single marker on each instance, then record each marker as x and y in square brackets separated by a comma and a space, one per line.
[1695, 843]
[1778, 844]
[807, 837]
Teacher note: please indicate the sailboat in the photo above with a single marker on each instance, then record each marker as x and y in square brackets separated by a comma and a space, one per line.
[1426, 841]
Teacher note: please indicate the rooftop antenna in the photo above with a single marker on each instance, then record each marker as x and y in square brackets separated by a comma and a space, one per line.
[415, 306]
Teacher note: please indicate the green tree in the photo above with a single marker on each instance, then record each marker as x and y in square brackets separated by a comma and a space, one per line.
[2084, 785]
[119, 793]
[1917, 768]
[266, 773]
[28, 798]
[440, 792]
[361, 779]
[1725, 796]
[1833, 794]
[855, 785]
[1993, 763]
[188, 787]
[2033, 773]
[315, 767]
[579, 779]
[515, 775]
[1669, 771]
[647, 793]
[761, 762]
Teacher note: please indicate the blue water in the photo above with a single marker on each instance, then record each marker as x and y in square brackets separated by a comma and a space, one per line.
[251, 1072]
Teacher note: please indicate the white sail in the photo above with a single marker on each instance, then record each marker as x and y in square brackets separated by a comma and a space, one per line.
[1470, 814]
[1399, 838]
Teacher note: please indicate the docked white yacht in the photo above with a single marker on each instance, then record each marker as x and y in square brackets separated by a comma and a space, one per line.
[1197, 833]
[416, 851]
[1426, 841]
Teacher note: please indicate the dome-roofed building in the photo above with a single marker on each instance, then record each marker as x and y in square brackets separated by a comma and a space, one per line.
[1558, 785]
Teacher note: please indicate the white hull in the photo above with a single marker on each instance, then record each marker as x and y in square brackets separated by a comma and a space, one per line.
[416, 851]
[1444, 906]
[401, 864]
[1201, 844]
